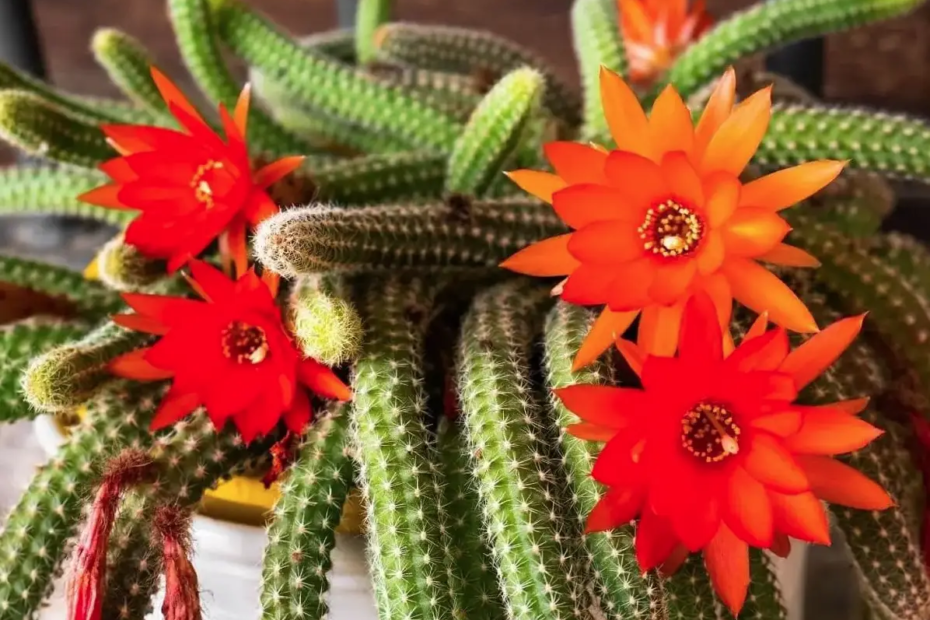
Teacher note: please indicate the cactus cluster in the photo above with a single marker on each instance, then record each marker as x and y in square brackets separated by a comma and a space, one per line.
[388, 242]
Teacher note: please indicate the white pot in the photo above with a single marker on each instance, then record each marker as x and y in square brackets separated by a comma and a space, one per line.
[228, 559]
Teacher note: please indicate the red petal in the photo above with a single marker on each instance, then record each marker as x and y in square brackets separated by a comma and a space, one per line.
[298, 416]
[174, 97]
[764, 352]
[701, 337]
[781, 545]
[659, 327]
[583, 204]
[216, 285]
[838, 483]
[591, 432]
[615, 466]
[747, 510]
[611, 407]
[800, 516]
[633, 355]
[639, 178]
[606, 242]
[322, 380]
[139, 323]
[174, 406]
[588, 285]
[576, 163]
[831, 432]
[133, 365]
[259, 419]
[727, 561]
[781, 424]
[277, 170]
[164, 309]
[655, 541]
[809, 360]
[105, 196]
[234, 243]
[615, 509]
[772, 465]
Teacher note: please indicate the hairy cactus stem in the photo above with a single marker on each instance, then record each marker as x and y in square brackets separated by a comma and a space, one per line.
[182, 593]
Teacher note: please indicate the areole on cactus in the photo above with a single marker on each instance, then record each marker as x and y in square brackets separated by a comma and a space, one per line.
[323, 270]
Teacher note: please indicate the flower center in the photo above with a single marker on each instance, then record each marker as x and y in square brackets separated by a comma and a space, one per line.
[244, 343]
[709, 433]
[671, 230]
[200, 183]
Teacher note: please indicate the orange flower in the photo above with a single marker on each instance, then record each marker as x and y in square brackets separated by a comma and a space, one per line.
[656, 32]
[191, 186]
[713, 453]
[665, 215]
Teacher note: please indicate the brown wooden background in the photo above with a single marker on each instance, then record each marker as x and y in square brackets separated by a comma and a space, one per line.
[879, 66]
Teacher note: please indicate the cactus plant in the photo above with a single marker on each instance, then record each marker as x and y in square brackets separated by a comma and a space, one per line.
[379, 255]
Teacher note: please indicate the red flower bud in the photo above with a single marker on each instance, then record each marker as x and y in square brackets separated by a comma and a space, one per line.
[182, 592]
[88, 571]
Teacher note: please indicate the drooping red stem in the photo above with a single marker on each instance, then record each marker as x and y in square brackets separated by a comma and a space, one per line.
[182, 589]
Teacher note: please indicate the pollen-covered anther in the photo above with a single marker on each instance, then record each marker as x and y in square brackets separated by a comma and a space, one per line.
[671, 229]
[709, 432]
[244, 343]
[203, 191]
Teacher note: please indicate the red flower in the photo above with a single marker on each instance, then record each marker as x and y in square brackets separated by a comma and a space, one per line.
[229, 353]
[713, 453]
[191, 186]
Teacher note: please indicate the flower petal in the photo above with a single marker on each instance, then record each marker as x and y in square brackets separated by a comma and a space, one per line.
[586, 203]
[604, 405]
[654, 540]
[174, 406]
[615, 509]
[576, 163]
[722, 192]
[322, 380]
[760, 290]
[751, 231]
[701, 338]
[608, 327]
[630, 288]
[829, 433]
[588, 285]
[162, 308]
[800, 516]
[540, 184]
[789, 256]
[174, 97]
[717, 110]
[298, 416]
[241, 111]
[787, 187]
[624, 114]
[718, 288]
[658, 329]
[811, 359]
[683, 181]
[670, 123]
[634, 356]
[606, 243]
[133, 365]
[838, 483]
[615, 466]
[727, 561]
[772, 465]
[781, 424]
[106, 196]
[591, 432]
[549, 257]
[640, 179]
[738, 137]
[765, 352]
[214, 283]
[139, 323]
[277, 170]
[747, 510]
[673, 281]
[711, 253]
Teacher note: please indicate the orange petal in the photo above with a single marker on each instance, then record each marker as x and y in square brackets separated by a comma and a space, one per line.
[739, 135]
[139, 323]
[629, 290]
[727, 561]
[715, 112]
[772, 465]
[711, 253]
[241, 111]
[272, 281]
[104, 196]
[538, 183]
[673, 281]
[760, 290]
[780, 424]
[173, 95]
[583, 204]
[634, 20]
[277, 170]
[747, 510]
[639, 178]
[837, 483]
[789, 256]
[787, 187]
[549, 257]
[625, 117]
[235, 245]
[670, 123]
[809, 360]
[722, 192]
[608, 327]
[588, 285]
[659, 328]
[606, 243]
[758, 327]
[852, 406]
[800, 516]
[604, 405]
[576, 163]
[829, 433]
[751, 231]
[633, 355]
[133, 365]
[322, 381]
[682, 179]
[590, 432]
[718, 288]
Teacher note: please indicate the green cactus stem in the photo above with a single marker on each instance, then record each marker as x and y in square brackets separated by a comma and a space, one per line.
[325, 324]
[35, 535]
[302, 536]
[494, 132]
[91, 300]
[896, 146]
[408, 552]
[191, 20]
[338, 44]
[128, 64]
[67, 376]
[472, 52]
[379, 178]
[623, 590]
[534, 545]
[369, 16]
[337, 91]
[36, 126]
[597, 41]
[473, 559]
[452, 93]
[123, 268]
[19, 343]
[53, 191]
[477, 234]
[768, 25]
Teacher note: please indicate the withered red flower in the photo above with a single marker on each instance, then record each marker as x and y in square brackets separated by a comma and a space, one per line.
[229, 352]
[713, 453]
[182, 592]
[191, 186]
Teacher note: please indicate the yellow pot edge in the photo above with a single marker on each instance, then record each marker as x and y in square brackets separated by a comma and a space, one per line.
[242, 499]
